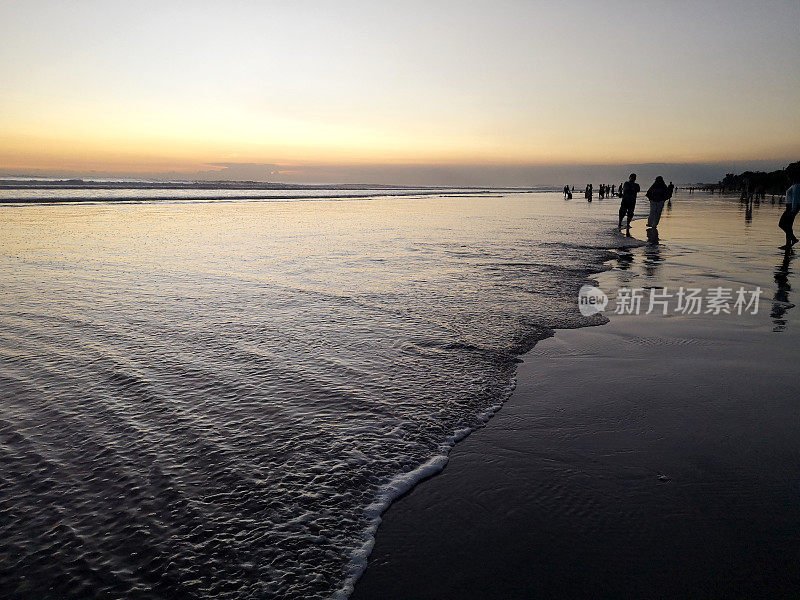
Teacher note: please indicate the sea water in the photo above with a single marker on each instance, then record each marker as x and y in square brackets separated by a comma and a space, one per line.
[217, 399]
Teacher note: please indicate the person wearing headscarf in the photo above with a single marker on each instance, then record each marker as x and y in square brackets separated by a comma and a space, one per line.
[657, 194]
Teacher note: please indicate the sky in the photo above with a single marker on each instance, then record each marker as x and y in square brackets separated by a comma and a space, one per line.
[434, 92]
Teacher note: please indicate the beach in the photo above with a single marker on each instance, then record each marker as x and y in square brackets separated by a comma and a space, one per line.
[327, 301]
[651, 457]
[221, 398]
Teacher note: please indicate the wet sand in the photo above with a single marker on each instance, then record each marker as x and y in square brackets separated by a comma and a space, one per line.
[652, 457]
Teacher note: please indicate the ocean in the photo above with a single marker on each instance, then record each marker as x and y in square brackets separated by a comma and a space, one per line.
[216, 394]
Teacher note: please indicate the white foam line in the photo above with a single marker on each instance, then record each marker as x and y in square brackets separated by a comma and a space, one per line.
[401, 484]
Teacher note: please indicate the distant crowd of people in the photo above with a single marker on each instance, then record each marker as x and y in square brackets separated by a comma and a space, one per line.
[659, 194]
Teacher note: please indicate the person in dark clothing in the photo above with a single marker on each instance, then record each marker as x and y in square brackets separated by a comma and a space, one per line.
[566, 191]
[657, 194]
[792, 208]
[628, 191]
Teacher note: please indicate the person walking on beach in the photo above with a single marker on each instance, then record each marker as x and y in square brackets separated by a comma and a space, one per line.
[786, 221]
[566, 191]
[657, 194]
[628, 191]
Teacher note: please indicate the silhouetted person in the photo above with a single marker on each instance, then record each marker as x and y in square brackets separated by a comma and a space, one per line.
[628, 191]
[613, 190]
[670, 191]
[657, 194]
[566, 191]
[792, 208]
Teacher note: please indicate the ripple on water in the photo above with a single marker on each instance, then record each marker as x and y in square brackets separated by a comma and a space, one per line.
[211, 402]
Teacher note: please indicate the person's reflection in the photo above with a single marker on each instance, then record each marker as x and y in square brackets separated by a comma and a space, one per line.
[652, 253]
[624, 260]
[780, 302]
[748, 213]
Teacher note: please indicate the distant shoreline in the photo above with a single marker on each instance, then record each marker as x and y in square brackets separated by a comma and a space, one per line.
[69, 184]
[140, 200]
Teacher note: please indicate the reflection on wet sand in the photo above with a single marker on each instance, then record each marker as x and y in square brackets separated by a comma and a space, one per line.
[624, 260]
[744, 241]
[780, 301]
[652, 254]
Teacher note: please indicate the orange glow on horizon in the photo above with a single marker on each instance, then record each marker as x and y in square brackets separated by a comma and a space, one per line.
[109, 87]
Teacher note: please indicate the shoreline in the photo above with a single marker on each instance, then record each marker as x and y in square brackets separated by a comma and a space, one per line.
[473, 300]
[607, 480]
[405, 483]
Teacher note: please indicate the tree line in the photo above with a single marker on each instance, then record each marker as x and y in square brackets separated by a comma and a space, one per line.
[774, 182]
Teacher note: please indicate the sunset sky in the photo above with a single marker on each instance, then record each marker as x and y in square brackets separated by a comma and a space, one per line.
[365, 90]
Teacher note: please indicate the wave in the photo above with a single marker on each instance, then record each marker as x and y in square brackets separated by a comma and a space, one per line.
[240, 394]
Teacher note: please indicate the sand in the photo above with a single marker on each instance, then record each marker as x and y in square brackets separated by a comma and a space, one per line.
[652, 457]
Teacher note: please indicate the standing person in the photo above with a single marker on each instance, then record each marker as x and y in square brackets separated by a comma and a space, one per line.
[792, 208]
[671, 189]
[657, 194]
[566, 191]
[628, 191]
[613, 189]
